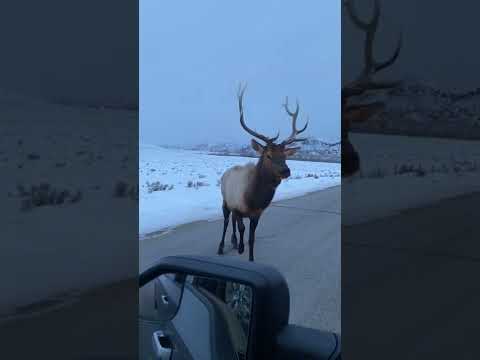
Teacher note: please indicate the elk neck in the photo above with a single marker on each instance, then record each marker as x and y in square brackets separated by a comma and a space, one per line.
[262, 188]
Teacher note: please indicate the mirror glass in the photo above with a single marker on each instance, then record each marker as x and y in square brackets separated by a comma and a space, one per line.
[160, 298]
[205, 318]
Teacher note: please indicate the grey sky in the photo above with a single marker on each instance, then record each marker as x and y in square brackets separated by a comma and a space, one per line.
[194, 54]
[80, 51]
[439, 41]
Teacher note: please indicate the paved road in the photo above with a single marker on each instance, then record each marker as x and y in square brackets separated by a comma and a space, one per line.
[300, 237]
[412, 280]
[428, 259]
[99, 324]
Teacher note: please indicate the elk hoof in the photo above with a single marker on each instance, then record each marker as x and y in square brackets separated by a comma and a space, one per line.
[234, 243]
[250, 258]
[241, 248]
[220, 251]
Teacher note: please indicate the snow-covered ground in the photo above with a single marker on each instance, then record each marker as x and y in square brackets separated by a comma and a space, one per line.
[417, 108]
[401, 172]
[41, 248]
[181, 204]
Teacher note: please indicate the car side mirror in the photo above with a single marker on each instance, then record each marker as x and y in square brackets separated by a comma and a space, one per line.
[242, 307]
[159, 300]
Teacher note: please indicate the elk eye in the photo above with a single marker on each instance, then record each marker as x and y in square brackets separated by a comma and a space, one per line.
[269, 156]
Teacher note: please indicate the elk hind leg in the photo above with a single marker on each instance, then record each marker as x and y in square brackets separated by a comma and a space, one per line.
[241, 230]
[251, 237]
[226, 215]
[235, 219]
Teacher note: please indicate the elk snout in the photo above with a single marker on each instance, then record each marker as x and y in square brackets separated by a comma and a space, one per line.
[285, 173]
[350, 159]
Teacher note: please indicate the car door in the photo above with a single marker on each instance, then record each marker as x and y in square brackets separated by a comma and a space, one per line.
[195, 328]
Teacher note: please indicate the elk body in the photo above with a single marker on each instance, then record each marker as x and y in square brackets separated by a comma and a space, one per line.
[362, 112]
[248, 190]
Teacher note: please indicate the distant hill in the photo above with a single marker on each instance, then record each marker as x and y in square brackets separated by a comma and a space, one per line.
[312, 150]
[417, 109]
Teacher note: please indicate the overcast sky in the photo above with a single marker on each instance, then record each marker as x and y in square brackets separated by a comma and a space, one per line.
[439, 42]
[194, 54]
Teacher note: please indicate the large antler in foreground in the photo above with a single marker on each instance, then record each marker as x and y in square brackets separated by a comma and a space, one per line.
[364, 82]
[264, 138]
[292, 138]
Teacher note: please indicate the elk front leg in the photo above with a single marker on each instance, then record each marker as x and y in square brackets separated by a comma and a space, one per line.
[234, 226]
[251, 237]
[241, 229]
[226, 214]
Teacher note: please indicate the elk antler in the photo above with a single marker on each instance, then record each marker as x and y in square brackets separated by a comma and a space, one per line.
[264, 138]
[292, 138]
[363, 81]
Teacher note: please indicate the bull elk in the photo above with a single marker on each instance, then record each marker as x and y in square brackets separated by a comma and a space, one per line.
[363, 83]
[248, 190]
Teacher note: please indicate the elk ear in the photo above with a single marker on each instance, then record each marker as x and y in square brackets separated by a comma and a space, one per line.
[290, 151]
[259, 148]
[360, 113]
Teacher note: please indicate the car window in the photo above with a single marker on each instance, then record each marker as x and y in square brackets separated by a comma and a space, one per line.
[232, 305]
[192, 323]
[234, 329]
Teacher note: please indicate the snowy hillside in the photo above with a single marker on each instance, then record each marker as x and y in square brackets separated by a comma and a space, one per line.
[46, 154]
[421, 109]
[181, 186]
[311, 150]
[399, 172]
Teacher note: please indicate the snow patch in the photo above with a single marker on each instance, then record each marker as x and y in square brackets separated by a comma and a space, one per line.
[448, 168]
[182, 203]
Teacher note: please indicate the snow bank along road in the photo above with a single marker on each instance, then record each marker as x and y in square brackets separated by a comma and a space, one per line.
[180, 202]
[300, 237]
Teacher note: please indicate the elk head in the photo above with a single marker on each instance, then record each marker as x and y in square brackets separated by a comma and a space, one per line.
[363, 83]
[273, 156]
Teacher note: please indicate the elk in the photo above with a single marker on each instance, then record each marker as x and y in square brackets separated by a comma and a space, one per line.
[248, 190]
[362, 83]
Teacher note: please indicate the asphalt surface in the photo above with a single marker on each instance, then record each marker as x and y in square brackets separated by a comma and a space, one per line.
[300, 237]
[410, 284]
[98, 324]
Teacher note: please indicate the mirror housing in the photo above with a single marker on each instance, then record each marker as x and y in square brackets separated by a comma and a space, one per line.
[298, 342]
[271, 298]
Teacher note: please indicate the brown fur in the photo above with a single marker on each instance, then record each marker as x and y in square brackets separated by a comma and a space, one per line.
[354, 113]
[248, 190]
